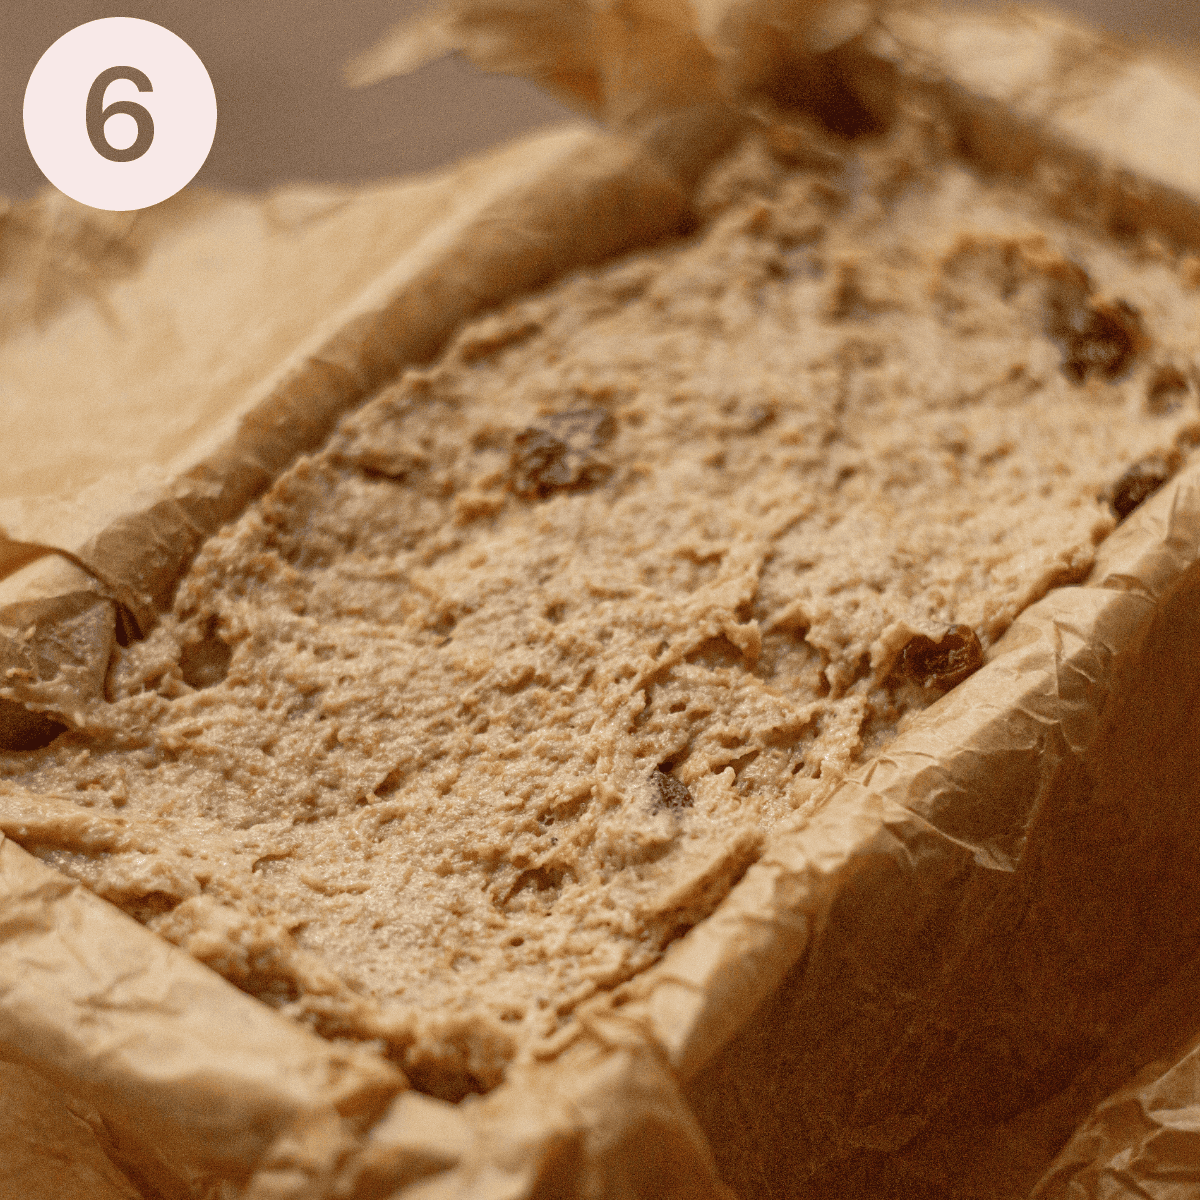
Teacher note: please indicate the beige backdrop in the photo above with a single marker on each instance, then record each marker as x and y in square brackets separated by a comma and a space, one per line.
[284, 113]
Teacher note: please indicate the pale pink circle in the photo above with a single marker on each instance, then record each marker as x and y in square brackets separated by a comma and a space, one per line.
[181, 103]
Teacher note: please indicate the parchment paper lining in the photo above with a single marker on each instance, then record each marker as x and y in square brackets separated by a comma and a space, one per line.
[952, 808]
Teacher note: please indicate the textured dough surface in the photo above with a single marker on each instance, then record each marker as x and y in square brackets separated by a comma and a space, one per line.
[479, 708]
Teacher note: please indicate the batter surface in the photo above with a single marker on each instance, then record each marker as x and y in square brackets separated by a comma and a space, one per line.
[481, 707]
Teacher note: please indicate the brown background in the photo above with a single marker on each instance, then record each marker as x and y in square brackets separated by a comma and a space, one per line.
[284, 113]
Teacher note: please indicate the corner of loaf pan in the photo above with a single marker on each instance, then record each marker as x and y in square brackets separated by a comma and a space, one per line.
[923, 988]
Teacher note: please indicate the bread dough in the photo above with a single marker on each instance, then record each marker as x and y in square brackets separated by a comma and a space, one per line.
[479, 708]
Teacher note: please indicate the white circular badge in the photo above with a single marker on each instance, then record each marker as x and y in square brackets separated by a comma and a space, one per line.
[120, 113]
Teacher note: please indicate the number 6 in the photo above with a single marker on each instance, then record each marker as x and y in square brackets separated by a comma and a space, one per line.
[96, 115]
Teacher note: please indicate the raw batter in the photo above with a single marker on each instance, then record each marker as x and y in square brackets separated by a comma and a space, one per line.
[478, 709]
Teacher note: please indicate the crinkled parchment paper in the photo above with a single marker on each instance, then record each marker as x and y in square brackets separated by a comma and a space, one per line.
[923, 991]
[54, 1148]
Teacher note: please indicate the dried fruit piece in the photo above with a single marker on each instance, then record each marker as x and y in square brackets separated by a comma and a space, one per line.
[1141, 481]
[672, 793]
[1098, 337]
[858, 293]
[1166, 391]
[557, 453]
[21, 729]
[206, 662]
[942, 664]
[581, 428]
